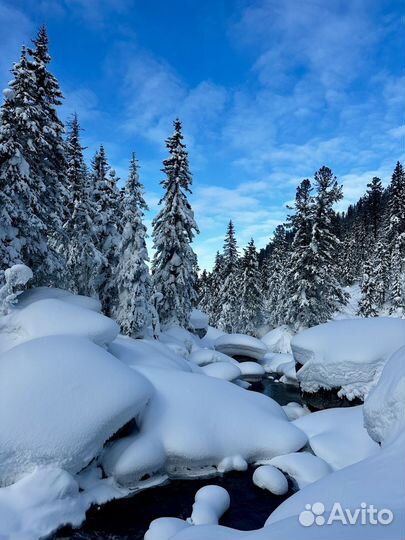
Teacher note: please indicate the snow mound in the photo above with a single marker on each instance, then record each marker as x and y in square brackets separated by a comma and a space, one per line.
[45, 293]
[240, 345]
[203, 357]
[338, 435]
[61, 398]
[384, 408]
[141, 352]
[39, 503]
[211, 502]
[165, 528]
[251, 369]
[223, 370]
[303, 467]
[270, 478]
[347, 354]
[52, 316]
[294, 410]
[198, 320]
[278, 340]
[193, 418]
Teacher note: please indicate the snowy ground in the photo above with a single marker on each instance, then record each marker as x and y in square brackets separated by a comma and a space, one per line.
[69, 383]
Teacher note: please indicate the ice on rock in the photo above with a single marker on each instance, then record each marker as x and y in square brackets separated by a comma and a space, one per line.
[303, 467]
[223, 370]
[251, 369]
[347, 354]
[330, 430]
[240, 345]
[270, 478]
[278, 340]
[384, 408]
[61, 398]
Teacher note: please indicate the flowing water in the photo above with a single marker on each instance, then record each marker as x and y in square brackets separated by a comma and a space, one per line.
[129, 519]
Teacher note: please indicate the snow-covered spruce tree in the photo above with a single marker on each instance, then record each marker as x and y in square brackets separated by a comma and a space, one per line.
[83, 259]
[174, 264]
[301, 301]
[50, 159]
[229, 294]
[204, 281]
[324, 245]
[396, 205]
[106, 197]
[380, 264]
[374, 206]
[397, 285]
[132, 279]
[213, 302]
[277, 270]
[251, 310]
[368, 305]
[23, 215]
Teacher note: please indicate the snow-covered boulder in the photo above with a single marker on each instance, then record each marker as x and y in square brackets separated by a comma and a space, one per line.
[61, 399]
[45, 293]
[200, 420]
[203, 357]
[240, 345]
[348, 354]
[330, 430]
[199, 322]
[210, 503]
[384, 408]
[304, 468]
[278, 340]
[251, 369]
[223, 370]
[270, 478]
[51, 316]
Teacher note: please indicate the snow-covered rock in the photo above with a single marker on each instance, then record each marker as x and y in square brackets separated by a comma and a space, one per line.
[200, 420]
[294, 410]
[338, 435]
[240, 345]
[303, 467]
[348, 354]
[278, 340]
[384, 408]
[252, 369]
[270, 478]
[45, 293]
[203, 357]
[210, 503]
[223, 370]
[199, 320]
[61, 398]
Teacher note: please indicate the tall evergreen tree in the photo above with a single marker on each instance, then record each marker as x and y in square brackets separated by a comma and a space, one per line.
[368, 306]
[213, 302]
[301, 302]
[133, 283]
[229, 293]
[83, 260]
[324, 244]
[251, 310]
[23, 215]
[374, 204]
[277, 270]
[174, 264]
[51, 161]
[106, 197]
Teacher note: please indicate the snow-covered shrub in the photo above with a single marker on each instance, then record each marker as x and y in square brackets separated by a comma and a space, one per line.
[15, 278]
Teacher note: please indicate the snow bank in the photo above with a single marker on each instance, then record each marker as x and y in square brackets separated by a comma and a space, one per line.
[338, 435]
[346, 354]
[61, 398]
[240, 345]
[270, 478]
[278, 340]
[200, 421]
[44, 293]
[384, 408]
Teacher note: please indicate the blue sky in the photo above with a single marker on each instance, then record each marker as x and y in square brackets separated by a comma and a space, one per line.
[268, 91]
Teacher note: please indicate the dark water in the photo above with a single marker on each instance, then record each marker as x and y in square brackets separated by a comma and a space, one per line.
[129, 519]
